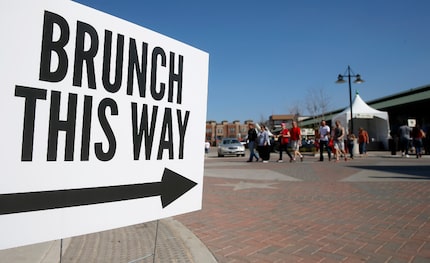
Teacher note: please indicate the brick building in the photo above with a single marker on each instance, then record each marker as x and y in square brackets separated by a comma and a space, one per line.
[217, 131]
[276, 120]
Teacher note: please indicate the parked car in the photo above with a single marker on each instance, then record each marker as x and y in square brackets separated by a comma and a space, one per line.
[245, 141]
[231, 146]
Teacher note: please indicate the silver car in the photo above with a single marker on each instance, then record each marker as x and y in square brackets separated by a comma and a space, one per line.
[231, 146]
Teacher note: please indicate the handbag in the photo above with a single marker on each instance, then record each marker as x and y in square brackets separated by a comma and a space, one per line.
[330, 143]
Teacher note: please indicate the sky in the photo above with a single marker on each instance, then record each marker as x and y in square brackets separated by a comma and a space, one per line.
[271, 57]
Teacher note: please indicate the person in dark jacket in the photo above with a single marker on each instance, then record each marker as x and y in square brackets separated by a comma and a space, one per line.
[252, 137]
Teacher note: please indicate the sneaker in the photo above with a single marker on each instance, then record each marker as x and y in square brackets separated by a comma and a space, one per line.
[407, 155]
[292, 160]
[301, 158]
[265, 161]
[280, 161]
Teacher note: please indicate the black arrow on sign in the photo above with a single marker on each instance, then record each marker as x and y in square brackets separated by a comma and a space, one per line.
[171, 187]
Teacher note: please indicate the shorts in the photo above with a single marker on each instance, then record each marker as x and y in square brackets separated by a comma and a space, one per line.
[339, 145]
[295, 145]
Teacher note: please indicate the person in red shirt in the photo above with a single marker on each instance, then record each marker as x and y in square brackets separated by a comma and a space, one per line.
[363, 140]
[284, 138]
[296, 140]
[417, 139]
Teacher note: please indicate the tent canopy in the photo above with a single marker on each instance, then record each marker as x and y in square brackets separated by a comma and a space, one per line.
[375, 122]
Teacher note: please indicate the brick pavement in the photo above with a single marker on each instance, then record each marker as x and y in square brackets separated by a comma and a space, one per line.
[374, 209]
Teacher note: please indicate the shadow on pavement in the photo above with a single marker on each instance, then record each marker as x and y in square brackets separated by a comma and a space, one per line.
[419, 172]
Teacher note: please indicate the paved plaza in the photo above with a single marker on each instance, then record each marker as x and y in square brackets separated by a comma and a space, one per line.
[373, 209]
[370, 209]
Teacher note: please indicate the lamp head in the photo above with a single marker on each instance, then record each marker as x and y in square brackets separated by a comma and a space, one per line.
[358, 79]
[340, 79]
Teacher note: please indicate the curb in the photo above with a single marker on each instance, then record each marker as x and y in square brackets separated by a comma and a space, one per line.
[199, 251]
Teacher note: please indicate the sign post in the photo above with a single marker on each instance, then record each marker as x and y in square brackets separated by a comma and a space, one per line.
[101, 127]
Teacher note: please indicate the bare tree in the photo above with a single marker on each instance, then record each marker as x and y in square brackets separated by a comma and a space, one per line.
[264, 120]
[296, 110]
[317, 103]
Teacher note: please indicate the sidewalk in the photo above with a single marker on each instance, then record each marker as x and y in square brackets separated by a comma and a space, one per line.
[175, 243]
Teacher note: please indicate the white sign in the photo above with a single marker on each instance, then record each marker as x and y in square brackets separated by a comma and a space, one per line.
[364, 116]
[103, 122]
[308, 132]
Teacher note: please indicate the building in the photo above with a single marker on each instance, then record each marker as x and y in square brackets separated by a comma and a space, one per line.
[217, 131]
[410, 104]
[276, 120]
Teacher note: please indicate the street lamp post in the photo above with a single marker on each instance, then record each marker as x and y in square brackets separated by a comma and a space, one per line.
[349, 73]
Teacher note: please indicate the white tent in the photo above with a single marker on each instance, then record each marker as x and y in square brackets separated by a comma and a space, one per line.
[375, 122]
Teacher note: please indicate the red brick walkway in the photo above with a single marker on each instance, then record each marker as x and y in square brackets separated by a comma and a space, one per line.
[375, 209]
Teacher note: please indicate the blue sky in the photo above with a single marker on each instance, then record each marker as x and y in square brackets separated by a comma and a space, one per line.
[267, 57]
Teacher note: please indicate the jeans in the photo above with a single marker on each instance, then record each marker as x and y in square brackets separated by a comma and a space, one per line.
[351, 149]
[404, 144]
[418, 144]
[362, 148]
[324, 144]
[252, 153]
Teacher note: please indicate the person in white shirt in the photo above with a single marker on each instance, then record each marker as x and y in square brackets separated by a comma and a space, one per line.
[324, 137]
[263, 144]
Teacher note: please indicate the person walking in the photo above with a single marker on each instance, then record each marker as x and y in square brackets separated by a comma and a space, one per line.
[283, 139]
[363, 140]
[252, 138]
[404, 138]
[417, 139]
[263, 144]
[338, 137]
[296, 141]
[350, 142]
[324, 137]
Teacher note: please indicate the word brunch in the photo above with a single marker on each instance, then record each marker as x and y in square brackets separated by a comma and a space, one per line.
[82, 111]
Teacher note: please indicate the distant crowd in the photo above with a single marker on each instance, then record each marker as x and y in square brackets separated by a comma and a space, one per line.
[334, 141]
